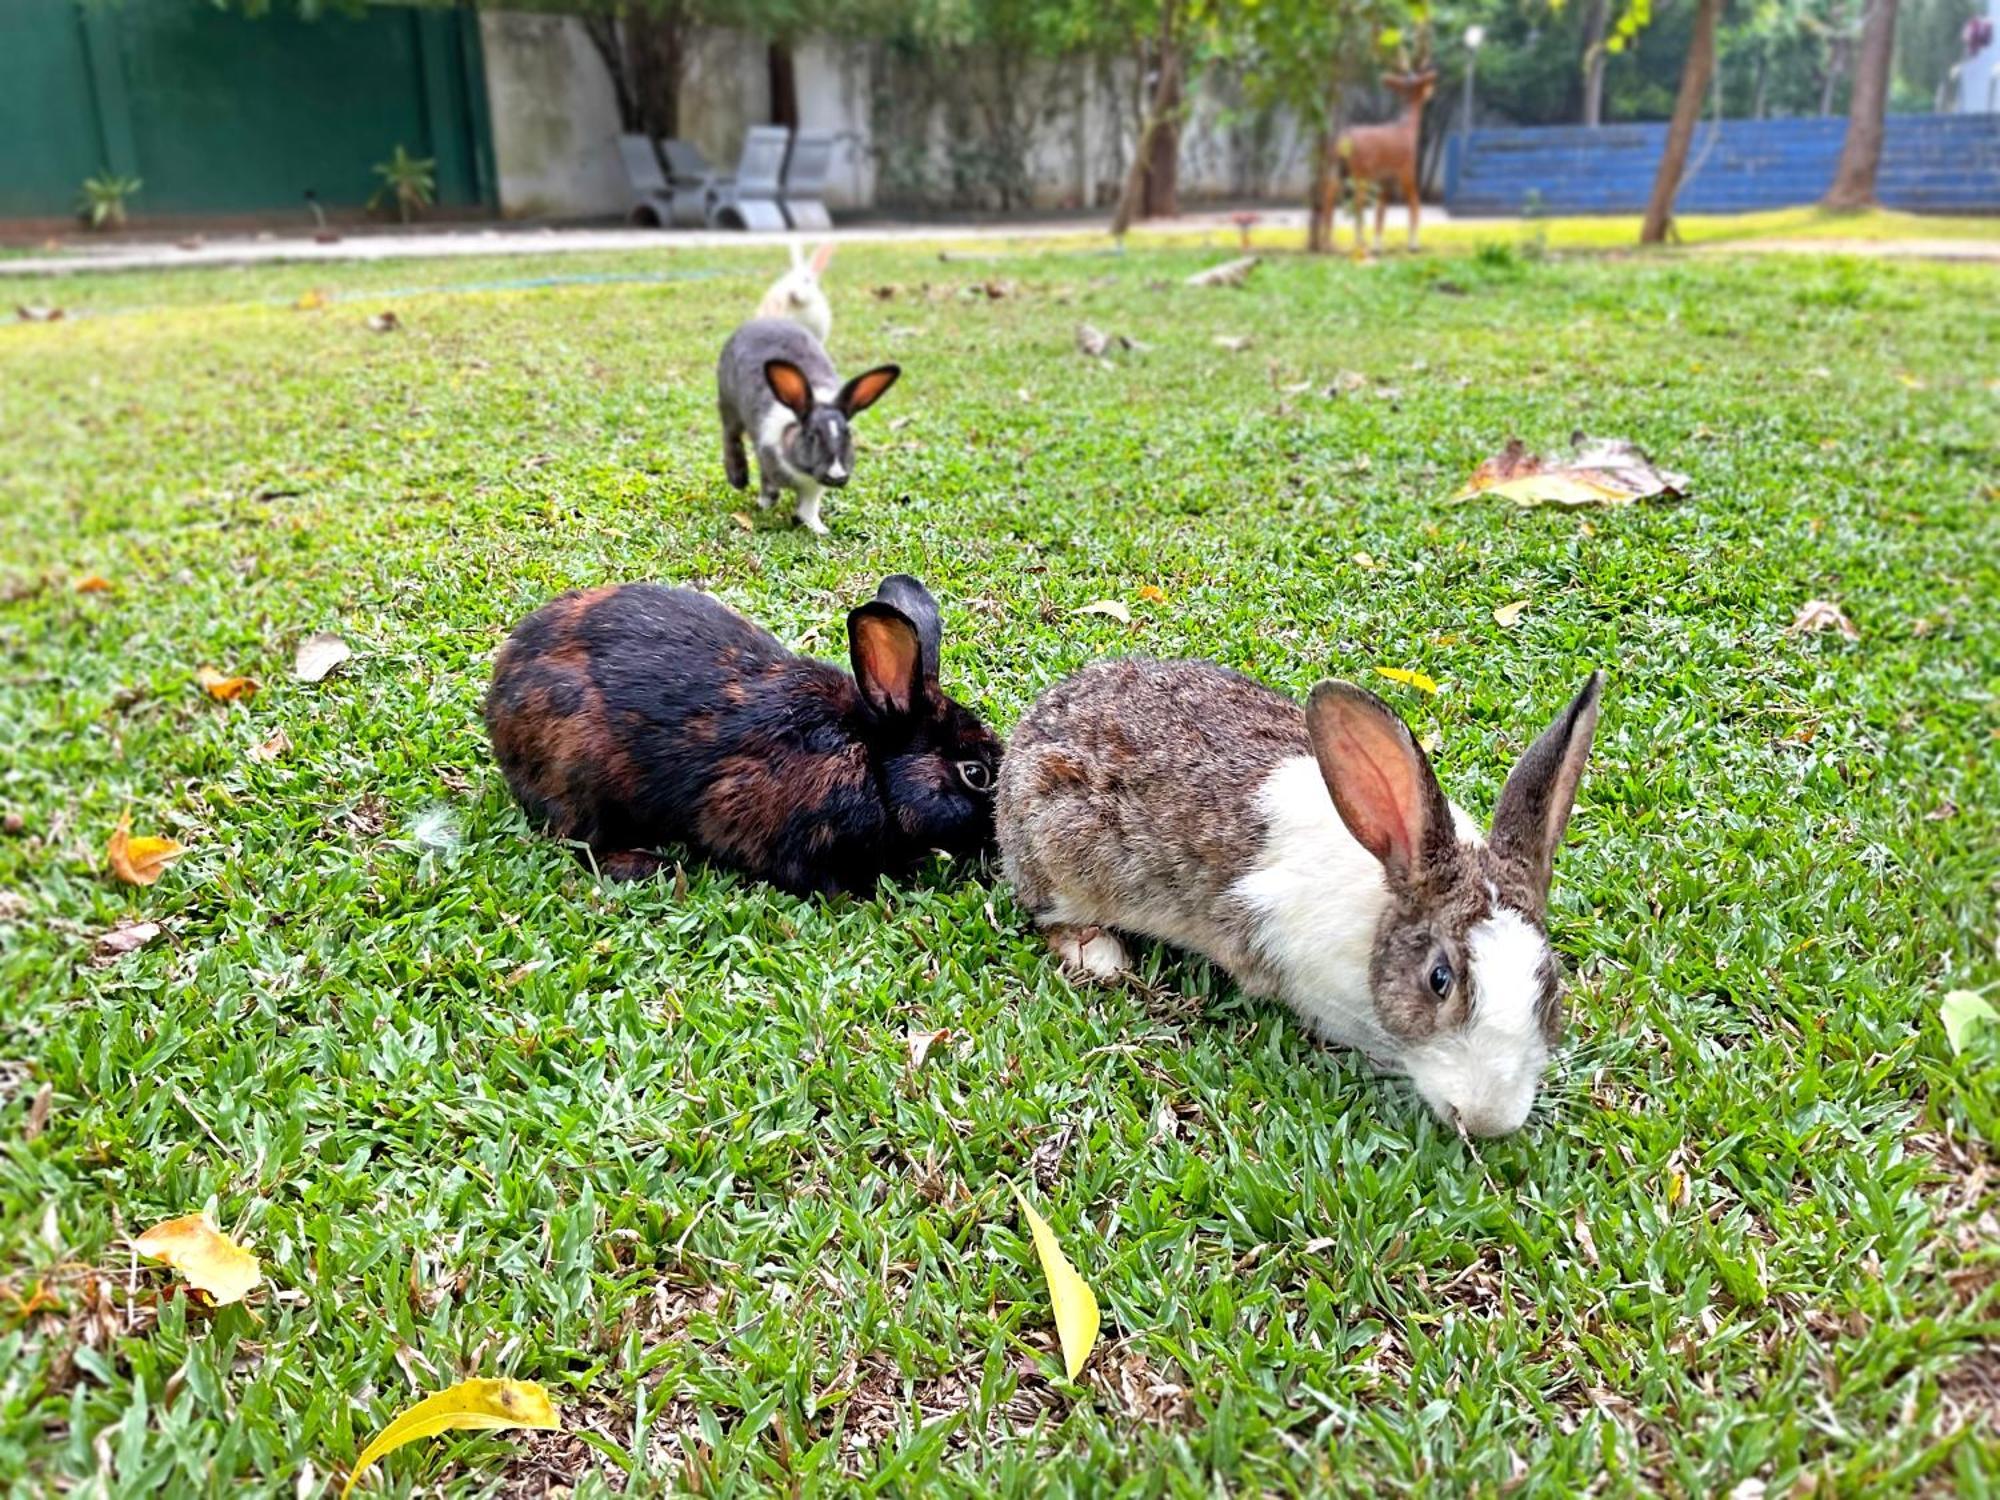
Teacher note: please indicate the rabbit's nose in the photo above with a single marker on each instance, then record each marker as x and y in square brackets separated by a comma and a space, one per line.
[836, 473]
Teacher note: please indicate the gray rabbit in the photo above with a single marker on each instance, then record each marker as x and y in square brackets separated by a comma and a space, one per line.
[775, 382]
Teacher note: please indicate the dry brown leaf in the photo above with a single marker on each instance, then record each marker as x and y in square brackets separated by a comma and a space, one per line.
[1235, 343]
[208, 1260]
[226, 689]
[39, 312]
[128, 936]
[92, 583]
[1229, 273]
[920, 1043]
[384, 321]
[273, 745]
[311, 301]
[318, 655]
[38, 1111]
[742, 519]
[140, 861]
[1152, 593]
[1507, 616]
[1597, 472]
[1816, 615]
[1111, 607]
[1092, 341]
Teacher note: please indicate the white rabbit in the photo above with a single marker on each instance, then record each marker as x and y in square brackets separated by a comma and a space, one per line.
[797, 294]
[1312, 855]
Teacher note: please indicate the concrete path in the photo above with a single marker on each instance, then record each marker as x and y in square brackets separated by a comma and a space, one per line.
[1977, 250]
[437, 244]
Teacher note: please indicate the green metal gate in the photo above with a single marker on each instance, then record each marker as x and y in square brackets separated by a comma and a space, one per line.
[219, 114]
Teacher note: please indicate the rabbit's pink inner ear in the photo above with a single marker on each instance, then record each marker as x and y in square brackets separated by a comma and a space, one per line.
[822, 257]
[788, 383]
[1381, 784]
[887, 658]
[865, 389]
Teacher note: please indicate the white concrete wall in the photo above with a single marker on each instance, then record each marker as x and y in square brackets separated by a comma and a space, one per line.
[555, 119]
[555, 122]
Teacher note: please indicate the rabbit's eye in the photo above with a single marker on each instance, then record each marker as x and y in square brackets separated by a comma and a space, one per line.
[976, 775]
[1441, 980]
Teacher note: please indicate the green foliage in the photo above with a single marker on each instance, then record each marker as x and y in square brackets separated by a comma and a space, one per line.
[102, 202]
[410, 182]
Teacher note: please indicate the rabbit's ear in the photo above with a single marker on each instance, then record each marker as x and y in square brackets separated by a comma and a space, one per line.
[1381, 781]
[888, 658]
[1534, 807]
[865, 389]
[822, 257]
[913, 601]
[789, 384]
[798, 255]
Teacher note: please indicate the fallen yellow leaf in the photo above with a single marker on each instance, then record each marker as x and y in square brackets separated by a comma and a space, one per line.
[487, 1405]
[208, 1260]
[1074, 1303]
[1418, 680]
[226, 689]
[310, 301]
[1112, 607]
[1508, 615]
[1601, 472]
[1152, 593]
[139, 861]
[92, 583]
[272, 746]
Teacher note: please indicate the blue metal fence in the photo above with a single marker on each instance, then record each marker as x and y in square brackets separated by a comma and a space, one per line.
[1930, 163]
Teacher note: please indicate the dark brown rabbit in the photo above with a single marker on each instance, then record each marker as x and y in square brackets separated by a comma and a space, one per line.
[634, 716]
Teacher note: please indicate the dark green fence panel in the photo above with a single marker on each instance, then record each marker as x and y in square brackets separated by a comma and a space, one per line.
[220, 114]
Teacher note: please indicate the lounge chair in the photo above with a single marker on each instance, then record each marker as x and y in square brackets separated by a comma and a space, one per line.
[657, 198]
[806, 172]
[749, 200]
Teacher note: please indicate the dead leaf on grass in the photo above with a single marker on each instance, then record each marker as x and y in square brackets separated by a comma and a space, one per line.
[1235, 343]
[208, 1260]
[1152, 593]
[743, 519]
[1092, 341]
[483, 1405]
[225, 689]
[38, 312]
[384, 321]
[38, 1111]
[318, 655]
[920, 1041]
[128, 936]
[1111, 607]
[311, 301]
[1074, 1304]
[92, 583]
[1229, 273]
[140, 861]
[1816, 615]
[273, 745]
[1507, 616]
[1598, 471]
[1423, 682]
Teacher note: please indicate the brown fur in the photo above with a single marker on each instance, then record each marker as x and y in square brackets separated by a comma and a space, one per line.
[1385, 155]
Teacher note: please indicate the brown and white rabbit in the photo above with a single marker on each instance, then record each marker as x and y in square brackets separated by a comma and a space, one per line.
[634, 716]
[1312, 854]
[798, 295]
[775, 383]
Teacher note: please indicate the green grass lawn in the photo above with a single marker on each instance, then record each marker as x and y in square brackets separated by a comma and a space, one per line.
[662, 1149]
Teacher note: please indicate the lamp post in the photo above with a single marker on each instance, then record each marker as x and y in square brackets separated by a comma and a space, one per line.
[1475, 38]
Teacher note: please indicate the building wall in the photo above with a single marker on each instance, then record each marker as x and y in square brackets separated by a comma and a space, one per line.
[555, 121]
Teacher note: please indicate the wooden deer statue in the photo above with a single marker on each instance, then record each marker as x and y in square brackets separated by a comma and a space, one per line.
[1384, 154]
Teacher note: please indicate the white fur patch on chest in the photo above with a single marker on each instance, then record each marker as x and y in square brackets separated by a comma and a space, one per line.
[778, 424]
[1317, 896]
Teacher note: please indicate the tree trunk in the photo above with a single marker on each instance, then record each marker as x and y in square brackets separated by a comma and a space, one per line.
[1687, 110]
[1860, 154]
[1837, 52]
[1321, 207]
[784, 80]
[1163, 160]
[608, 37]
[1136, 195]
[1595, 20]
[658, 43]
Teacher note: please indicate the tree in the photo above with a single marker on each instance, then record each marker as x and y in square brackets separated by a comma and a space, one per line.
[1680, 131]
[1596, 19]
[1861, 152]
[1161, 36]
